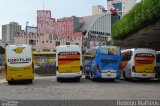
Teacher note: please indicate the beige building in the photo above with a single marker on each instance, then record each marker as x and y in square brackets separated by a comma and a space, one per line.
[9, 30]
[124, 6]
[47, 42]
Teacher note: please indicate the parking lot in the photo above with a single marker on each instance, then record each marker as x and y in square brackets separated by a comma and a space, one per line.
[47, 88]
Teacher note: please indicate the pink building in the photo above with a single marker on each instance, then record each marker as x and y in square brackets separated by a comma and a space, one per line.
[51, 33]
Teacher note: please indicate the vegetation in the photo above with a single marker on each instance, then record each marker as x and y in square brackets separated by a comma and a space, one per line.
[142, 14]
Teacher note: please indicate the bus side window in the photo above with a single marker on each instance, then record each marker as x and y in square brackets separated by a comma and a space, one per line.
[129, 54]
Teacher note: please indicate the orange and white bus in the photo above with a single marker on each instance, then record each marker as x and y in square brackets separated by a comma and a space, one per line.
[68, 62]
[138, 63]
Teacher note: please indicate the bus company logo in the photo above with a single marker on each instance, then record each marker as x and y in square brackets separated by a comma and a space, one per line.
[18, 50]
[144, 55]
[19, 61]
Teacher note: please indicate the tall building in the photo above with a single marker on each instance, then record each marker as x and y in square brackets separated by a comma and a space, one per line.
[120, 6]
[9, 31]
[98, 9]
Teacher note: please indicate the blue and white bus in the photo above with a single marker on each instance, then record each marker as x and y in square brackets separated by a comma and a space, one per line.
[105, 62]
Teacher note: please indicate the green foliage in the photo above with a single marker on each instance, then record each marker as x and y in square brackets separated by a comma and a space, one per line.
[142, 14]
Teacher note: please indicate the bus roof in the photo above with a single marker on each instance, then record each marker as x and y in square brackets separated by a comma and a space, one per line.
[126, 50]
[18, 45]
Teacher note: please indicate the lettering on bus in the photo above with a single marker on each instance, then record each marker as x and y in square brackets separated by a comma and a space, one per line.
[144, 55]
[19, 61]
[69, 53]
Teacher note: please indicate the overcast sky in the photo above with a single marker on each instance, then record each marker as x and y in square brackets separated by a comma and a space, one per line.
[25, 10]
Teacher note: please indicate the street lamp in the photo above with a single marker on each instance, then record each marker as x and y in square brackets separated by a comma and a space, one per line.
[26, 31]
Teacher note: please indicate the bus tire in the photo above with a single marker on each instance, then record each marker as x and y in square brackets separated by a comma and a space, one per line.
[30, 81]
[58, 79]
[78, 79]
[87, 76]
[10, 82]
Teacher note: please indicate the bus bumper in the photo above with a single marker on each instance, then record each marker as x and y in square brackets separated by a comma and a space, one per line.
[143, 75]
[69, 75]
[109, 75]
[19, 77]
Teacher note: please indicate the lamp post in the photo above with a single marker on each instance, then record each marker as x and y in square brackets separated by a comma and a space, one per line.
[26, 31]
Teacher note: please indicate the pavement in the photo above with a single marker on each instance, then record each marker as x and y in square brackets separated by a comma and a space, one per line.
[47, 88]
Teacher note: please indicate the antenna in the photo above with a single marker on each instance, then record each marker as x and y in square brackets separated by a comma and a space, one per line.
[43, 4]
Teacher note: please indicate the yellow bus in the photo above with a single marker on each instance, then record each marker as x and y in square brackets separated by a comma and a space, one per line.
[19, 63]
[68, 62]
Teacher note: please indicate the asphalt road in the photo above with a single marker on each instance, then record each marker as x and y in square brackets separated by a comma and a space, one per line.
[47, 88]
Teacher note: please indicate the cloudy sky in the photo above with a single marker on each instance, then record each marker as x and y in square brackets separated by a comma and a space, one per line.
[25, 10]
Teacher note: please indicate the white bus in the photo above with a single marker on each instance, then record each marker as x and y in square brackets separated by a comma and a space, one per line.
[19, 63]
[138, 63]
[68, 62]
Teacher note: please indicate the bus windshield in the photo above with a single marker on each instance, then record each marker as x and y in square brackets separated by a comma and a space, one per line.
[109, 51]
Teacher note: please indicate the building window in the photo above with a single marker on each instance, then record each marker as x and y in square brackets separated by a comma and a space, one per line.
[37, 40]
[50, 41]
[46, 50]
[57, 43]
[47, 41]
[67, 43]
[76, 43]
[32, 42]
[42, 41]
[33, 49]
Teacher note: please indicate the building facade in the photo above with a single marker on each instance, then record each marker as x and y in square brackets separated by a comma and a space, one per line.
[120, 6]
[45, 42]
[9, 30]
[98, 9]
[66, 31]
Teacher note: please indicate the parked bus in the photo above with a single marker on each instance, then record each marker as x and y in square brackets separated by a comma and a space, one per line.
[158, 65]
[19, 63]
[138, 63]
[105, 62]
[68, 62]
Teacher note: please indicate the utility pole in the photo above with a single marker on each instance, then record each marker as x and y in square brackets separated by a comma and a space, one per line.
[26, 31]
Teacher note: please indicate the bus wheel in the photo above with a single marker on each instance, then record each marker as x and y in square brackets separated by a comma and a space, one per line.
[58, 79]
[86, 76]
[30, 81]
[78, 79]
[10, 82]
[124, 76]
